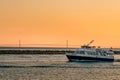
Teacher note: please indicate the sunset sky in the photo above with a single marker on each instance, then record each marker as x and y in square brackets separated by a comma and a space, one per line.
[55, 21]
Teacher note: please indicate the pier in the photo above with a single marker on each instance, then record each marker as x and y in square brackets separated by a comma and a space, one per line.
[35, 50]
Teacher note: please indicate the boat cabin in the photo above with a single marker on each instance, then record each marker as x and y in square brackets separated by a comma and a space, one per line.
[94, 51]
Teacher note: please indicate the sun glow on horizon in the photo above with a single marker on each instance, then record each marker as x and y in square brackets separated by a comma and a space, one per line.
[54, 22]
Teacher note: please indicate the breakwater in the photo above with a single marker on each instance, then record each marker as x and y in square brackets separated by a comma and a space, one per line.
[34, 51]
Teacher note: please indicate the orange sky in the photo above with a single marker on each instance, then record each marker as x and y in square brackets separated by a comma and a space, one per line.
[55, 21]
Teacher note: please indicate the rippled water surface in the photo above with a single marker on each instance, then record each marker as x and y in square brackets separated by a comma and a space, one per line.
[55, 67]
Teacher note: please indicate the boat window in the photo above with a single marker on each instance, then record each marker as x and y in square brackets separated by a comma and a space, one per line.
[91, 53]
[82, 52]
[77, 51]
[102, 54]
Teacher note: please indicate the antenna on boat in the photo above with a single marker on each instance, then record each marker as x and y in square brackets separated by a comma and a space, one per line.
[87, 46]
[90, 43]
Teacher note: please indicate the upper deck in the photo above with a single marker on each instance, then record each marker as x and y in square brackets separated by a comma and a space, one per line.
[94, 51]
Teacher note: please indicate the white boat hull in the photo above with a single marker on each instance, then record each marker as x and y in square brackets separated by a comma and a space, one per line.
[73, 57]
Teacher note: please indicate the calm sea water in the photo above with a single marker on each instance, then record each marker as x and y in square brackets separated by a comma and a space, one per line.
[55, 67]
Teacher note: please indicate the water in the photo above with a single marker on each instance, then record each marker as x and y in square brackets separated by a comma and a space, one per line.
[55, 67]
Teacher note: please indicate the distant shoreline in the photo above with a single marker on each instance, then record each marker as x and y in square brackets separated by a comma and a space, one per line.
[33, 52]
[2, 47]
[39, 50]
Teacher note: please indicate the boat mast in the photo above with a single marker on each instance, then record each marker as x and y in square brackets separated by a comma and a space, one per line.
[90, 43]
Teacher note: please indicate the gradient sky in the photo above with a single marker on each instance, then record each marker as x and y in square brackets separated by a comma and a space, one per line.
[55, 21]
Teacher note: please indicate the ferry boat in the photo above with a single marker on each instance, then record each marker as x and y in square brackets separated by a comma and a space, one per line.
[87, 52]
